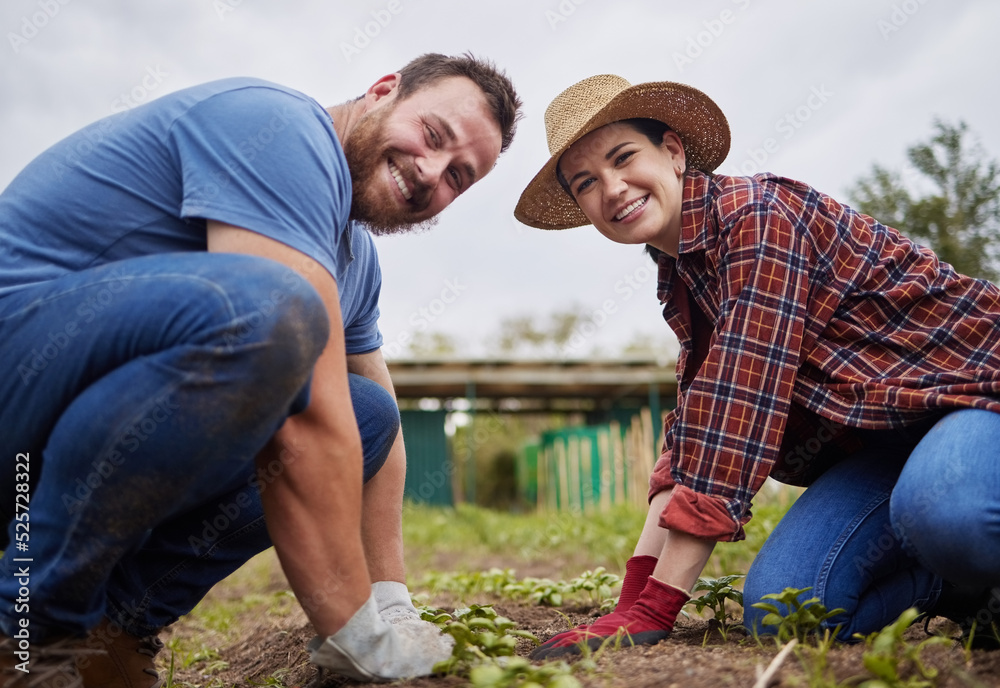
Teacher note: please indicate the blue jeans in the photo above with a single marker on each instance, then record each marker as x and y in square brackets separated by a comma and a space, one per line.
[141, 392]
[880, 531]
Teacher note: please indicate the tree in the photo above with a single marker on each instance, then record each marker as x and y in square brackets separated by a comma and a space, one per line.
[432, 345]
[960, 219]
[524, 335]
[662, 346]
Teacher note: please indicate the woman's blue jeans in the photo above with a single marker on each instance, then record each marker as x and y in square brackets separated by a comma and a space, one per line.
[880, 531]
[141, 392]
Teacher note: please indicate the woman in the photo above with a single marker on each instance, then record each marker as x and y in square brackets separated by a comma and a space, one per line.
[817, 346]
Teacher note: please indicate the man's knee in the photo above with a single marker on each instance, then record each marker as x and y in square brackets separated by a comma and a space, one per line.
[378, 420]
[282, 311]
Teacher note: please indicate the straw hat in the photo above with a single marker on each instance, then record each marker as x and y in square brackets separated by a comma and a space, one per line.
[599, 100]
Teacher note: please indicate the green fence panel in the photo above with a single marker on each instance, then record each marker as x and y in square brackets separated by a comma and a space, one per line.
[527, 473]
[577, 476]
[429, 466]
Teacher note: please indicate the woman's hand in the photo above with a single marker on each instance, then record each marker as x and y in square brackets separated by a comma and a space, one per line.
[647, 622]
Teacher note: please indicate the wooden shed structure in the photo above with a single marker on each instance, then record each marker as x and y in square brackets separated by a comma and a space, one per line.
[613, 390]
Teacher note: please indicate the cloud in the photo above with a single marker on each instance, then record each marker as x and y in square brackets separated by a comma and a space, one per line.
[760, 62]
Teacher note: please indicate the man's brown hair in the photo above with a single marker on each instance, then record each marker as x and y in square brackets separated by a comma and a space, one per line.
[495, 85]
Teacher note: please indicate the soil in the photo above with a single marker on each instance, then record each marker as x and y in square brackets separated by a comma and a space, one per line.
[269, 647]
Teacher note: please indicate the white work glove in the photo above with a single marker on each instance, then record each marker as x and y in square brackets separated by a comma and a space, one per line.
[368, 648]
[396, 607]
[394, 603]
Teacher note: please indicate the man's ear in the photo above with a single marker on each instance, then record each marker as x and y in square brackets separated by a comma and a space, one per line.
[382, 91]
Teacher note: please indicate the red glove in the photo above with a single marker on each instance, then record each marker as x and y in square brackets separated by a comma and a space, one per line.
[637, 570]
[646, 622]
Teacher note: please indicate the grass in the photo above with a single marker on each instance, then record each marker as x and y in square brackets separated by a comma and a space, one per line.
[477, 533]
[576, 541]
[256, 589]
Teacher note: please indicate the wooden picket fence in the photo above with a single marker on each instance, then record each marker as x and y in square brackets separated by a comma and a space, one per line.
[593, 467]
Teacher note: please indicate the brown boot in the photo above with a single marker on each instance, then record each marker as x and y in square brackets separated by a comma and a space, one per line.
[124, 661]
[41, 665]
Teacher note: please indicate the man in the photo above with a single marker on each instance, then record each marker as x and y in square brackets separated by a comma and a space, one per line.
[189, 319]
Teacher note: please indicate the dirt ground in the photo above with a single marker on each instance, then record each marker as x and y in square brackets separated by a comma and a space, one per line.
[269, 650]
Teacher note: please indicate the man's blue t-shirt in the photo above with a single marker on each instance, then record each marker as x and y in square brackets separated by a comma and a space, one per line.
[241, 151]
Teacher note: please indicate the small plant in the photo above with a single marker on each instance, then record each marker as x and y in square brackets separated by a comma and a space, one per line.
[987, 637]
[815, 664]
[887, 652]
[492, 581]
[598, 583]
[185, 659]
[480, 635]
[548, 593]
[171, 669]
[608, 605]
[438, 617]
[275, 680]
[541, 591]
[484, 652]
[518, 672]
[800, 618]
[717, 592]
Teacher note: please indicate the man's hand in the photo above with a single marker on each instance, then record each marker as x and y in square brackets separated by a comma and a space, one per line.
[368, 648]
[394, 603]
[396, 608]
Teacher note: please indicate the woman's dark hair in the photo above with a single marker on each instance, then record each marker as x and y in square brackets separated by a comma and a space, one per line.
[653, 253]
[652, 129]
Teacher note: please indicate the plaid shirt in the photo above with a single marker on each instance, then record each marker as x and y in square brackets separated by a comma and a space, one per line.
[800, 318]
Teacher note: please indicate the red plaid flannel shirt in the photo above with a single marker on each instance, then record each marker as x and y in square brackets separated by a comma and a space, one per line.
[799, 317]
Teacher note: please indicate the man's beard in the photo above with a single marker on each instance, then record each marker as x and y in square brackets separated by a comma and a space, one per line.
[371, 203]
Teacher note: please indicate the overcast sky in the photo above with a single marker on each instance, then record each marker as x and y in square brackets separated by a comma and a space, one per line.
[836, 86]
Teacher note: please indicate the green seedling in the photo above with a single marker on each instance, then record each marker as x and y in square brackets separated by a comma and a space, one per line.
[598, 583]
[438, 617]
[541, 591]
[717, 592]
[171, 669]
[548, 593]
[888, 656]
[973, 638]
[492, 581]
[480, 634]
[185, 659]
[815, 662]
[520, 673]
[275, 680]
[800, 618]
